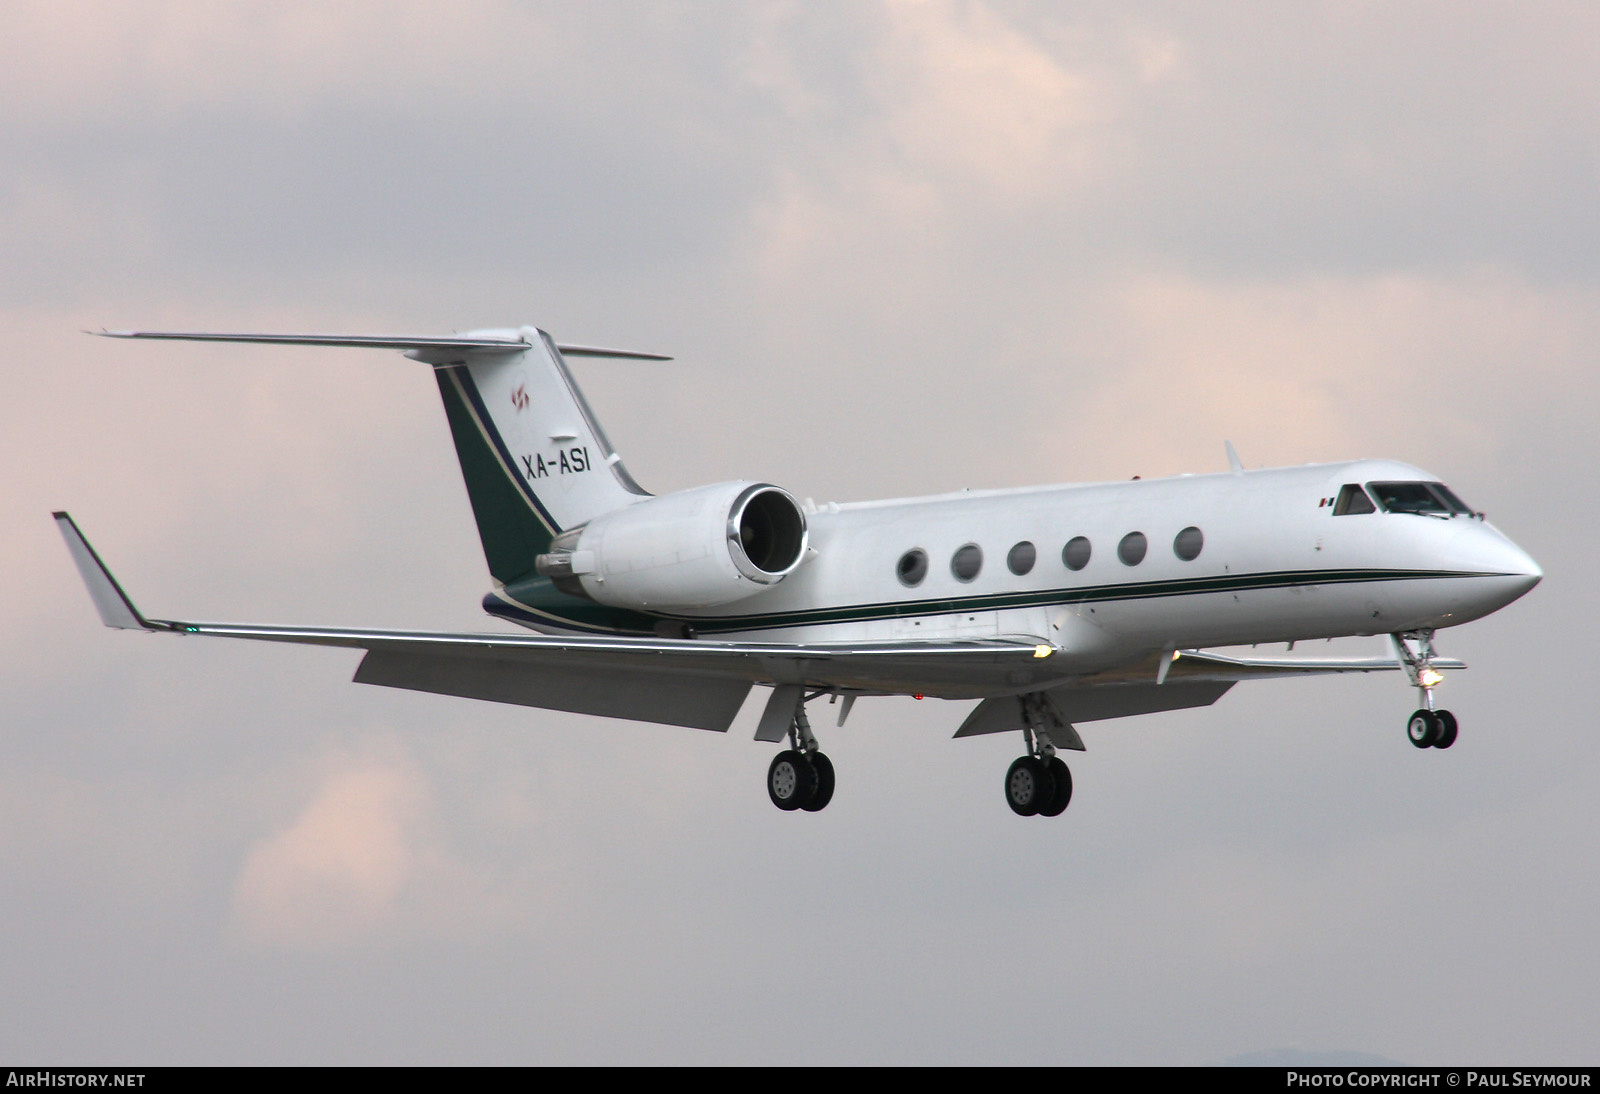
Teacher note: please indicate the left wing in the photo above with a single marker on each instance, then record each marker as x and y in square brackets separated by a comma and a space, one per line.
[688, 682]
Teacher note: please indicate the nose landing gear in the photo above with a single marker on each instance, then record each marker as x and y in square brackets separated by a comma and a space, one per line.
[1432, 729]
[1427, 727]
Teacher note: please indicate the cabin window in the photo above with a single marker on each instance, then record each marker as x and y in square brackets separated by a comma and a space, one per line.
[1188, 543]
[1021, 558]
[1352, 499]
[966, 562]
[1075, 555]
[1417, 497]
[912, 567]
[1132, 548]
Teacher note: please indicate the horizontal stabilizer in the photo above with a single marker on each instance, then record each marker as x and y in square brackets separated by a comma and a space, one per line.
[424, 347]
[368, 341]
[596, 351]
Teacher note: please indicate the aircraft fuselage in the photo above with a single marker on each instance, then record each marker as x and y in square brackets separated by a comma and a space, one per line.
[1270, 562]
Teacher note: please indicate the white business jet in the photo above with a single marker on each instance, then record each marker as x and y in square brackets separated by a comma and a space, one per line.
[1054, 605]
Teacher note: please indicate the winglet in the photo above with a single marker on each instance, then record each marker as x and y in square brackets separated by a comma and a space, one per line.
[116, 610]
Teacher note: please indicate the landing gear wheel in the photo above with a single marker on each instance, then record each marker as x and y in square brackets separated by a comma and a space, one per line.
[824, 793]
[1447, 729]
[1062, 778]
[1029, 786]
[1423, 728]
[791, 780]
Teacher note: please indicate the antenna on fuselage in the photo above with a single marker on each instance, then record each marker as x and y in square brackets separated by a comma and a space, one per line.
[1233, 458]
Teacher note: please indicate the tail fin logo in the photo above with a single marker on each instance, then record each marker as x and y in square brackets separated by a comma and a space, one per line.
[519, 397]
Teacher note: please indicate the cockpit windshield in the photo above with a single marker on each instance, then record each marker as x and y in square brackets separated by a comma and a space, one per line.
[1455, 503]
[1430, 498]
[1353, 499]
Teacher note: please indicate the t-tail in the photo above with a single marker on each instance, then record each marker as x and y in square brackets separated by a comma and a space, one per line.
[535, 461]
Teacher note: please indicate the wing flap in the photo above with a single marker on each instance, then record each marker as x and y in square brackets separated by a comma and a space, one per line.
[1093, 703]
[1003, 714]
[700, 702]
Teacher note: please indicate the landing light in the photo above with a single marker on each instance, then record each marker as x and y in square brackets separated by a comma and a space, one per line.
[1430, 678]
[1042, 651]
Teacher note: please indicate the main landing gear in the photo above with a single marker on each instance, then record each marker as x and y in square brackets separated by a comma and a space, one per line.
[1039, 783]
[800, 776]
[1427, 728]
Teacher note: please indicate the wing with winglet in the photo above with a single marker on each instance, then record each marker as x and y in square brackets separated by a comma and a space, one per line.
[689, 682]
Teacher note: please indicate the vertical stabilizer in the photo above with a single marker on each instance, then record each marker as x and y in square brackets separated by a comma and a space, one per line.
[535, 461]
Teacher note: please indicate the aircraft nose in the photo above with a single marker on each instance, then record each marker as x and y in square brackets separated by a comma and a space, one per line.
[1508, 572]
[1518, 584]
[1530, 572]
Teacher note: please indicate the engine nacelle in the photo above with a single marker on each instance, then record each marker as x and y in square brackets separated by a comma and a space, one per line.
[696, 549]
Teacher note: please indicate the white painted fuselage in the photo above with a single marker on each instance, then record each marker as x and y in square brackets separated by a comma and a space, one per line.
[1274, 565]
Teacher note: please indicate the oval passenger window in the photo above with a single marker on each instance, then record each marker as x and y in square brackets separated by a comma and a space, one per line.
[966, 562]
[1075, 555]
[1188, 543]
[912, 567]
[1132, 548]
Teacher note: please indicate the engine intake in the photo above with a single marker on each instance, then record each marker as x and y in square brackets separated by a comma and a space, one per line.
[768, 532]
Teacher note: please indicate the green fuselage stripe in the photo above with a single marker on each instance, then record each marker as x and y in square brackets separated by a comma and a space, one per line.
[512, 531]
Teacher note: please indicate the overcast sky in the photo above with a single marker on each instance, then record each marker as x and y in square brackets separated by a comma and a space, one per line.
[896, 248]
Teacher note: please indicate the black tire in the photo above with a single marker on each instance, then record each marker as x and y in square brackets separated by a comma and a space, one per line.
[1063, 788]
[824, 793]
[1447, 729]
[1029, 786]
[1423, 728]
[791, 780]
